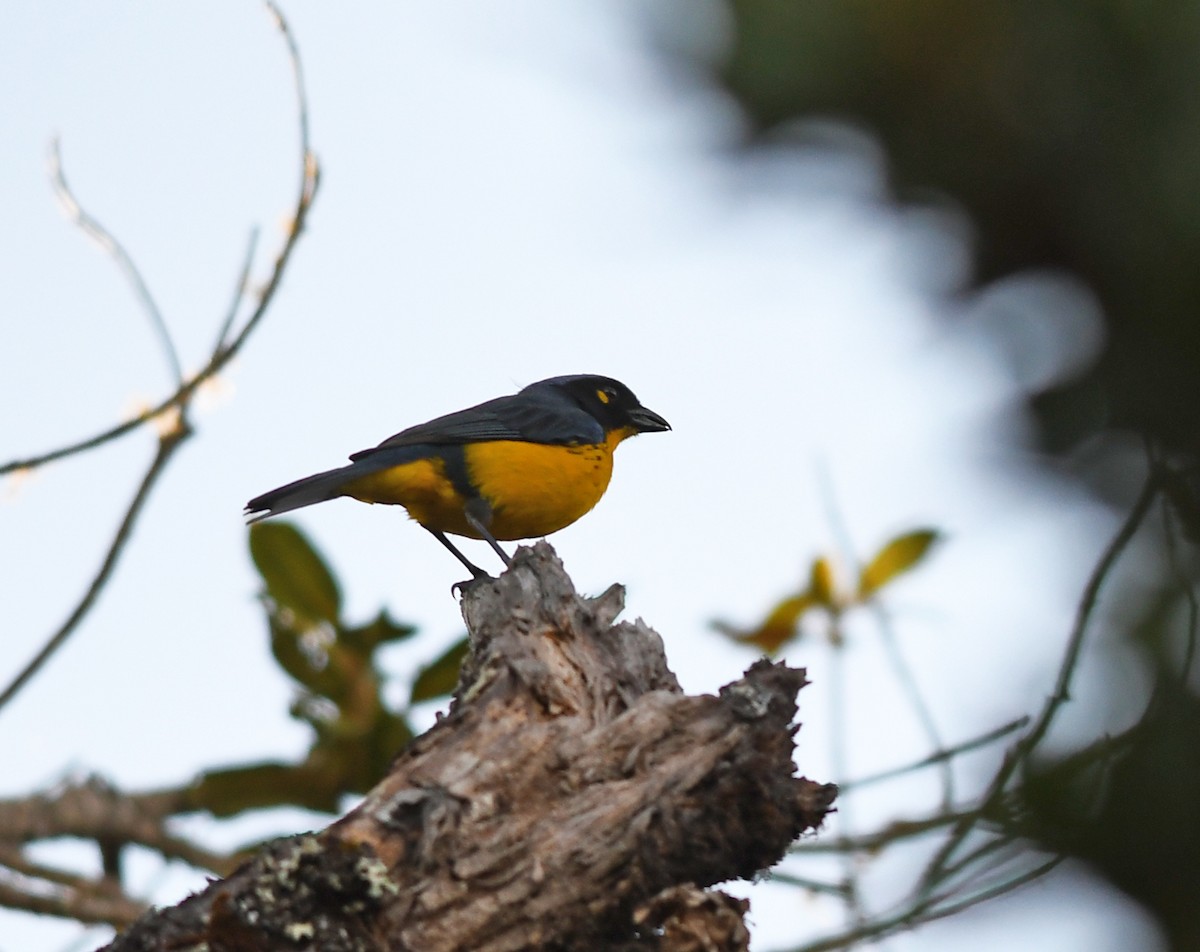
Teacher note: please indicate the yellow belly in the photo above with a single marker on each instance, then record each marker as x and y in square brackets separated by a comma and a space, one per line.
[533, 488]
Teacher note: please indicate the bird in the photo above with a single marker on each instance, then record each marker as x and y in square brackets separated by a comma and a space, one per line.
[517, 467]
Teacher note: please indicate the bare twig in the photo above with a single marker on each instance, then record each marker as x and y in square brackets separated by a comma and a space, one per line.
[34, 887]
[83, 906]
[167, 445]
[310, 177]
[16, 861]
[179, 402]
[948, 909]
[938, 756]
[985, 851]
[176, 399]
[956, 879]
[904, 674]
[894, 832]
[94, 810]
[239, 294]
[1087, 606]
[916, 700]
[93, 228]
[309, 183]
[812, 885]
[1174, 560]
[851, 869]
[1021, 750]
[924, 911]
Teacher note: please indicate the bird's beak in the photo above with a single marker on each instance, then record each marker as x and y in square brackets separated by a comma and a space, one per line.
[647, 421]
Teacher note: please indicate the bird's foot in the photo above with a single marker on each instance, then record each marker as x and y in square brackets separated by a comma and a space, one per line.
[458, 589]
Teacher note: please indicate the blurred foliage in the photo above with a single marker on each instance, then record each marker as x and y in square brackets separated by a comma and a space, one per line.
[295, 576]
[825, 594]
[440, 678]
[1129, 807]
[1129, 803]
[340, 696]
[1069, 130]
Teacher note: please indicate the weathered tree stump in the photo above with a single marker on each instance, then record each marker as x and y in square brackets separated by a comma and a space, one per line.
[572, 798]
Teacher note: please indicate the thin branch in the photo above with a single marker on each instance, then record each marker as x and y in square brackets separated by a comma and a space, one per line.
[904, 674]
[992, 846]
[924, 911]
[837, 729]
[108, 241]
[239, 293]
[94, 810]
[947, 754]
[894, 832]
[167, 445]
[176, 399]
[310, 177]
[37, 888]
[926, 905]
[82, 906]
[908, 683]
[86, 808]
[992, 892]
[1020, 751]
[15, 861]
[180, 400]
[812, 885]
[1171, 535]
[309, 183]
[877, 928]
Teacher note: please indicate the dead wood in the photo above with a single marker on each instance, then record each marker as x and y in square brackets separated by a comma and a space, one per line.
[572, 798]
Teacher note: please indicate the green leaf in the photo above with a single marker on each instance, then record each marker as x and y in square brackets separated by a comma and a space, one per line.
[288, 649]
[897, 556]
[390, 735]
[368, 637]
[258, 786]
[441, 677]
[295, 575]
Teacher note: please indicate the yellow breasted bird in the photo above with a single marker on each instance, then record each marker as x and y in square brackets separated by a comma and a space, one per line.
[515, 467]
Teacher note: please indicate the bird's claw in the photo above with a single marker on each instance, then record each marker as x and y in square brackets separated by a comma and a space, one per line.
[459, 589]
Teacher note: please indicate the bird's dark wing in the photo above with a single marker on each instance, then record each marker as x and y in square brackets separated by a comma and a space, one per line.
[532, 416]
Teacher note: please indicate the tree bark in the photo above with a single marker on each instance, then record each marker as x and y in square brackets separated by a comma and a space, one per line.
[572, 798]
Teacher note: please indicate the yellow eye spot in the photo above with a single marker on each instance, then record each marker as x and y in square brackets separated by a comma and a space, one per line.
[602, 396]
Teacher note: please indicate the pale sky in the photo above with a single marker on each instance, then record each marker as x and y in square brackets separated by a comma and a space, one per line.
[510, 192]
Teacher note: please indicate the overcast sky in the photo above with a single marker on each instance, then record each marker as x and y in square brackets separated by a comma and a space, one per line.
[510, 192]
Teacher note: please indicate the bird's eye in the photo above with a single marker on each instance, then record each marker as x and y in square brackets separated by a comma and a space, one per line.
[605, 395]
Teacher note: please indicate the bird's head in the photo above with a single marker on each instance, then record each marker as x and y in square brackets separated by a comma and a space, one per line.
[612, 403]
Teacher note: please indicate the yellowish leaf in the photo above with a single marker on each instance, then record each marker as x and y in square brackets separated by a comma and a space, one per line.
[895, 558]
[778, 628]
[821, 586]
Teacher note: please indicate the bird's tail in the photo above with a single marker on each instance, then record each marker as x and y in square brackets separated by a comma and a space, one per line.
[297, 495]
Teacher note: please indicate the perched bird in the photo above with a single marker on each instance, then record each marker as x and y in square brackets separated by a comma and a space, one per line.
[515, 467]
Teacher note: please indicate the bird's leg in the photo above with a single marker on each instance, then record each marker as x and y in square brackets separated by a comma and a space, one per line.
[479, 514]
[475, 570]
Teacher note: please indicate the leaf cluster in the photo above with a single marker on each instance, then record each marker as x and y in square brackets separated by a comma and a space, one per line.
[340, 685]
[824, 592]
